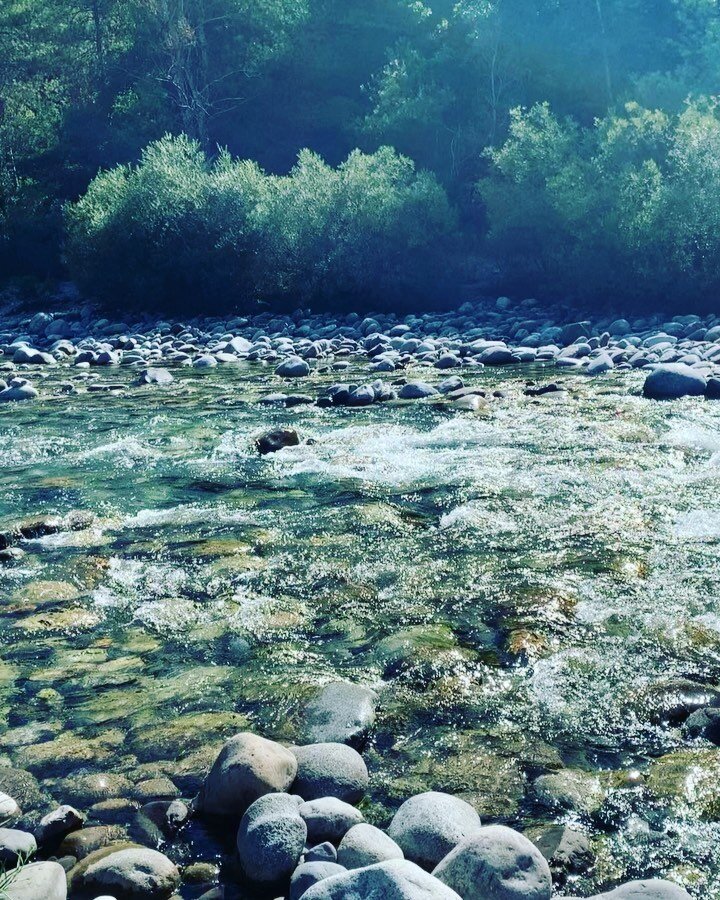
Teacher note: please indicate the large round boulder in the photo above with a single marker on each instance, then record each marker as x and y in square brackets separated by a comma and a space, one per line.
[328, 819]
[133, 872]
[496, 863]
[672, 380]
[428, 826]
[310, 873]
[396, 879]
[42, 879]
[330, 770]
[271, 839]
[366, 845]
[247, 767]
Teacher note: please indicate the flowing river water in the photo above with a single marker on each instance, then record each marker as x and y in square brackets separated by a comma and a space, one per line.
[525, 587]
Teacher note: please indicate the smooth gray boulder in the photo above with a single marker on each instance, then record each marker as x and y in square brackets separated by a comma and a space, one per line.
[396, 879]
[18, 390]
[428, 826]
[324, 852]
[599, 365]
[310, 873]
[654, 889]
[155, 376]
[416, 390]
[293, 367]
[342, 713]
[247, 767]
[133, 872]
[329, 819]
[496, 863]
[366, 845]
[672, 380]
[44, 880]
[15, 845]
[271, 838]
[330, 770]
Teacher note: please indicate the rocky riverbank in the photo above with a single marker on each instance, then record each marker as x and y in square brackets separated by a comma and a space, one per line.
[681, 356]
[291, 814]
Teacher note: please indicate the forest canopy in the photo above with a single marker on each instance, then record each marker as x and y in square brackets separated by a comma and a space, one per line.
[577, 144]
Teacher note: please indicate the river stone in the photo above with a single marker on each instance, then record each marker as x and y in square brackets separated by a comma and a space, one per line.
[566, 849]
[655, 889]
[396, 879]
[19, 389]
[293, 367]
[324, 852]
[329, 819]
[330, 770]
[23, 787]
[673, 380]
[310, 873]
[15, 843]
[496, 863]
[366, 845]
[44, 880]
[248, 767]
[416, 390]
[275, 440]
[155, 376]
[341, 713]
[271, 838]
[133, 872]
[9, 808]
[58, 823]
[428, 826]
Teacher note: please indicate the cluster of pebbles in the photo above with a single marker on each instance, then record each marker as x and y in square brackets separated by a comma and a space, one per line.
[298, 833]
[681, 355]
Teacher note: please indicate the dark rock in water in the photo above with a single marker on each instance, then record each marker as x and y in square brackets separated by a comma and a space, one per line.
[271, 838]
[155, 376]
[416, 390]
[286, 400]
[712, 391]
[673, 380]
[574, 331]
[566, 849]
[33, 530]
[674, 700]
[342, 712]
[23, 787]
[275, 440]
[58, 823]
[551, 388]
[310, 873]
[704, 723]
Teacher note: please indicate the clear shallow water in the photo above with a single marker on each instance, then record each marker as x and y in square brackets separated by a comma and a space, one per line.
[519, 585]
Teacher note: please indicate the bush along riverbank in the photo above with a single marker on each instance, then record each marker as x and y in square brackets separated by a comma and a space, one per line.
[679, 356]
[292, 818]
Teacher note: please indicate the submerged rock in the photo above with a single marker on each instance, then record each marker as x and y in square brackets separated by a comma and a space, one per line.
[341, 713]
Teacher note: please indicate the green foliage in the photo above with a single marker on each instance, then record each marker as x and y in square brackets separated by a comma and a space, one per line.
[629, 207]
[177, 229]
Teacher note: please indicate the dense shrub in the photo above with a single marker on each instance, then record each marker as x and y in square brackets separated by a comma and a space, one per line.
[629, 208]
[178, 229]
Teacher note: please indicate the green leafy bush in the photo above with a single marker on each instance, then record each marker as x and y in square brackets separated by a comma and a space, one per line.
[179, 230]
[628, 208]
